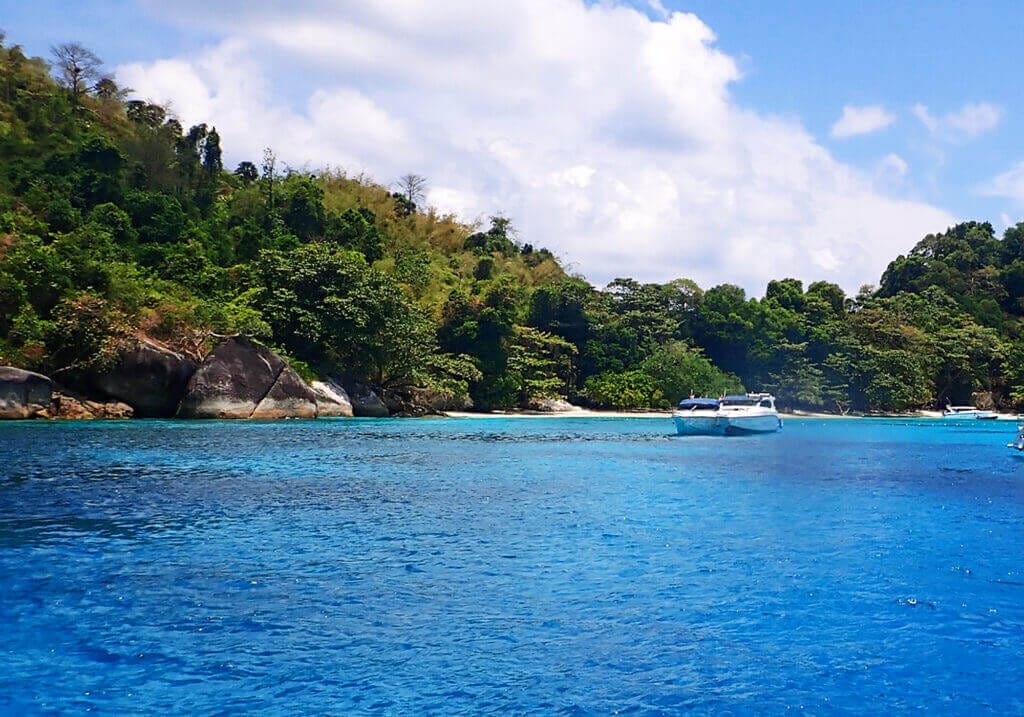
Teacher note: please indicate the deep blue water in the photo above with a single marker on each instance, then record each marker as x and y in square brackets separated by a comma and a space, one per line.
[550, 566]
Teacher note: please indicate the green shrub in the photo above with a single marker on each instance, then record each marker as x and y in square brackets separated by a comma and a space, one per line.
[628, 389]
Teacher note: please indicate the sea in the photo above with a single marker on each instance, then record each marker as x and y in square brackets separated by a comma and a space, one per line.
[512, 566]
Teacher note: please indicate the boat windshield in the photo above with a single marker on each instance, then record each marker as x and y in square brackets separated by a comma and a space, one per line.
[698, 404]
[740, 401]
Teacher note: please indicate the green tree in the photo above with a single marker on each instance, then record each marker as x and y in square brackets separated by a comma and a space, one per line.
[540, 363]
[497, 239]
[301, 199]
[328, 306]
[87, 333]
[356, 229]
[412, 267]
[678, 370]
[481, 327]
[212, 163]
[625, 390]
[247, 172]
[725, 328]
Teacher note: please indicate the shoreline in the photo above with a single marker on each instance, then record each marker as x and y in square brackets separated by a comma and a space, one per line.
[594, 413]
[577, 413]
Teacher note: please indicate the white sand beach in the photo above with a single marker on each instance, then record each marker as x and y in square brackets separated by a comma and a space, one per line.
[592, 413]
[576, 413]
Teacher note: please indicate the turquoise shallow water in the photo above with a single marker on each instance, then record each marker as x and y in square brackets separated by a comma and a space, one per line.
[549, 566]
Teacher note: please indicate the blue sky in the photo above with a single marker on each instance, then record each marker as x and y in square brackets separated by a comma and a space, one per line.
[810, 58]
[631, 139]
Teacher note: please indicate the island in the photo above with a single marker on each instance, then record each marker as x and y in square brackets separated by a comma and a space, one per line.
[141, 277]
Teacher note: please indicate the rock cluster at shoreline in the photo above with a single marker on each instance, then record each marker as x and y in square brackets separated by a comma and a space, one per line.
[240, 378]
[23, 394]
[243, 379]
[148, 377]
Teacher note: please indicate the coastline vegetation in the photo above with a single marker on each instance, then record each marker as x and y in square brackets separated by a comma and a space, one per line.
[117, 222]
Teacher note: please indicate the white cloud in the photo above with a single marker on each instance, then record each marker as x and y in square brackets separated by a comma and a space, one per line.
[922, 113]
[861, 120]
[974, 119]
[890, 173]
[894, 166]
[968, 122]
[659, 9]
[1009, 184]
[607, 136]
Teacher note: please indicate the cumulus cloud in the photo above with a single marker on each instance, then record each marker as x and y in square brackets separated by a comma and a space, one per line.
[968, 122]
[861, 120]
[605, 135]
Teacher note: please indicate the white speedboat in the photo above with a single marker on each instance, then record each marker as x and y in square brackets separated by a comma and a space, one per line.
[730, 415]
[968, 412]
[1018, 442]
[697, 417]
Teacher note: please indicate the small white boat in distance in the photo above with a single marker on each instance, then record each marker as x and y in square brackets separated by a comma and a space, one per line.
[728, 416]
[968, 412]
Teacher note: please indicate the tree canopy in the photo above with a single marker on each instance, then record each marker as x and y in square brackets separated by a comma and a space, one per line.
[116, 221]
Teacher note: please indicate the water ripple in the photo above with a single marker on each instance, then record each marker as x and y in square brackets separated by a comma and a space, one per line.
[564, 566]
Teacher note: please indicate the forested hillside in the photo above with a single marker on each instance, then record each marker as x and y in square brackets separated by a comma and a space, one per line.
[117, 222]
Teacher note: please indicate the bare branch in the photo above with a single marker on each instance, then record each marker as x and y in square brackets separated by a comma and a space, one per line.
[413, 187]
[79, 67]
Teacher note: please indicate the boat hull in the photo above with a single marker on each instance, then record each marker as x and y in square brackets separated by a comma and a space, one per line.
[740, 425]
[699, 425]
[964, 413]
[719, 425]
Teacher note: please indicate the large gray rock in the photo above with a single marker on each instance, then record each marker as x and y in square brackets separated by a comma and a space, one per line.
[365, 403]
[23, 394]
[76, 408]
[243, 379]
[149, 378]
[984, 400]
[289, 397]
[411, 401]
[331, 399]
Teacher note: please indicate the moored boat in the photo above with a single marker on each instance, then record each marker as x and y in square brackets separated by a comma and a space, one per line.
[731, 415]
[1018, 442]
[968, 412]
[696, 417]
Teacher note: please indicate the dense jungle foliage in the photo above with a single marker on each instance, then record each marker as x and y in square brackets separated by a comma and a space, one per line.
[118, 222]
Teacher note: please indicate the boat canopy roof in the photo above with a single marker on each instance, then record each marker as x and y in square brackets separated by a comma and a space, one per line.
[749, 399]
[739, 401]
[699, 403]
